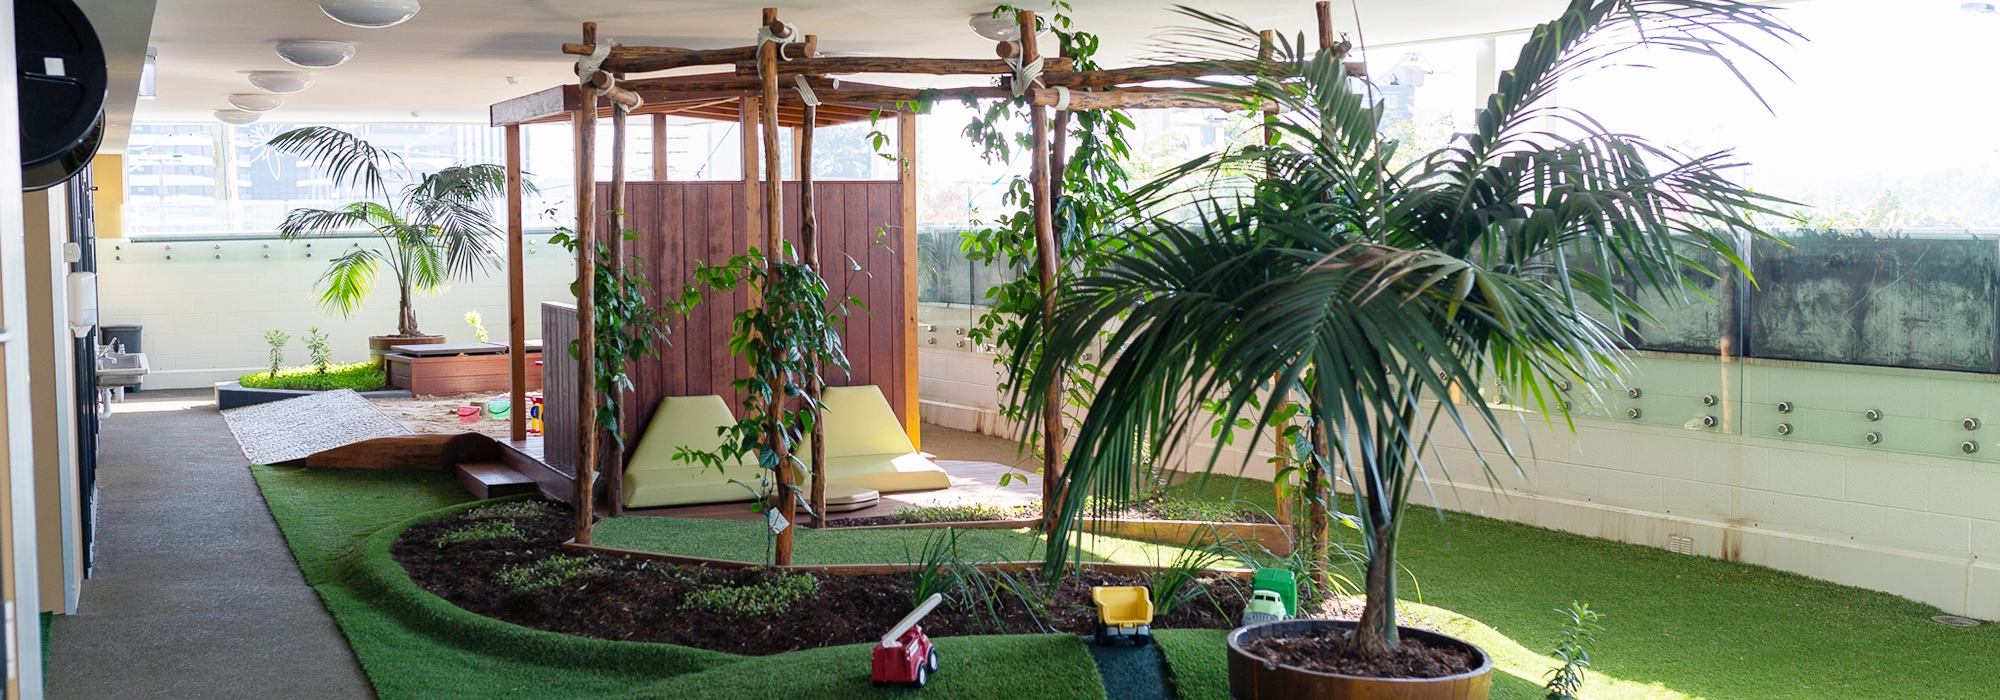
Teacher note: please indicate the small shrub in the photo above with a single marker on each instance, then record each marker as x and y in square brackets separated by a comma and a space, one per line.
[1177, 508]
[277, 339]
[322, 354]
[489, 530]
[472, 318]
[553, 571]
[770, 597]
[360, 376]
[959, 513]
[1579, 634]
[510, 509]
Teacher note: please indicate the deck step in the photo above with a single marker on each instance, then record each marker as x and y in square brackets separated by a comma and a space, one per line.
[490, 480]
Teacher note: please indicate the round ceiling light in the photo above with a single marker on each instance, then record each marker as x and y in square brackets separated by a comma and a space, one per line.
[233, 116]
[280, 82]
[314, 53]
[1005, 26]
[370, 14]
[256, 101]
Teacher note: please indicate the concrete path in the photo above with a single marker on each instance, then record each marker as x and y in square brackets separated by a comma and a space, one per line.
[195, 594]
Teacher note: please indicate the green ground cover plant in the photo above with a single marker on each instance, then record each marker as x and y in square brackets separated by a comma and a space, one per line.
[489, 530]
[960, 513]
[553, 571]
[771, 597]
[359, 376]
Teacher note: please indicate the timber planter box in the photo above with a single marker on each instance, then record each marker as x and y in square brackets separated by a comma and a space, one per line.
[1253, 678]
[457, 368]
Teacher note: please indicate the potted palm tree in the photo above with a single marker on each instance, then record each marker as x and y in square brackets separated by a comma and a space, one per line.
[436, 228]
[1376, 291]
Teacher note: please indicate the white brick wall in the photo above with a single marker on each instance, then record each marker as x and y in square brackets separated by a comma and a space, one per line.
[205, 317]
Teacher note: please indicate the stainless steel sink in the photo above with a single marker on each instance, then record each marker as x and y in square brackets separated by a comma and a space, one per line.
[121, 370]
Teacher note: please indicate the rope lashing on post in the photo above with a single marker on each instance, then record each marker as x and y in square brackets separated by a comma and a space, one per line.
[792, 36]
[1062, 98]
[806, 94]
[1025, 75]
[587, 67]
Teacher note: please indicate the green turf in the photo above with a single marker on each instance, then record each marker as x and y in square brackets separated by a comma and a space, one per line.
[747, 540]
[1197, 666]
[340, 524]
[1676, 626]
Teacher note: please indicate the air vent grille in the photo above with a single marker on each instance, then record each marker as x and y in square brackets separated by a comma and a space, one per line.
[1680, 545]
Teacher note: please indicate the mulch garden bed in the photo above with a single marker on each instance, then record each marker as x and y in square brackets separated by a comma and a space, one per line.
[523, 576]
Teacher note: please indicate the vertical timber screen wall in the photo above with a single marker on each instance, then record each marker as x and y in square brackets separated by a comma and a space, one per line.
[681, 225]
[559, 419]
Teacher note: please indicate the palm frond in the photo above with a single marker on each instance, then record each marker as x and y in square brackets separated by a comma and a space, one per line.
[348, 281]
[347, 159]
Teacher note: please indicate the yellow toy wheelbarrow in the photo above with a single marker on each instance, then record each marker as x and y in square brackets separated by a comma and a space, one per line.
[1124, 614]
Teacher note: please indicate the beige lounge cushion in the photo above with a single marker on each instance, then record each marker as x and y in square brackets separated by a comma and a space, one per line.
[866, 445]
[654, 478]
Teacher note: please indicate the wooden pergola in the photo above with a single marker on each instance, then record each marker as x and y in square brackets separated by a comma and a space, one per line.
[782, 82]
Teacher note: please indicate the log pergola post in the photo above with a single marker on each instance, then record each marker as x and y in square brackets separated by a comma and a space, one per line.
[809, 253]
[1046, 268]
[517, 314]
[774, 221]
[614, 462]
[586, 289]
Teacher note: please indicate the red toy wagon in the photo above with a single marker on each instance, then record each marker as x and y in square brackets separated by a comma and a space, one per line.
[905, 655]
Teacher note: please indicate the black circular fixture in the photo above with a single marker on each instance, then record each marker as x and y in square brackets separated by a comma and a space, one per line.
[62, 85]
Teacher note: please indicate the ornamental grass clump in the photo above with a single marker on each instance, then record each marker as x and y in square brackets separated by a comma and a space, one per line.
[1327, 270]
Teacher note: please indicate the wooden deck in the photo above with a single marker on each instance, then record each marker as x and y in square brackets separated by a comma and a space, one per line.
[971, 482]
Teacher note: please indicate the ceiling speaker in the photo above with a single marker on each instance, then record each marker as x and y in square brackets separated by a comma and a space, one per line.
[62, 86]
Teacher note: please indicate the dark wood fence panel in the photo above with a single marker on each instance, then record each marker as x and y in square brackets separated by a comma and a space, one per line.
[681, 225]
[559, 372]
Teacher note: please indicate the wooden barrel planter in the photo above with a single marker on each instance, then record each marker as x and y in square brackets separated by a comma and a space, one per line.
[1253, 678]
[378, 345]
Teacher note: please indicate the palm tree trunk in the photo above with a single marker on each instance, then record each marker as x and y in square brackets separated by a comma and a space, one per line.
[406, 325]
[1376, 633]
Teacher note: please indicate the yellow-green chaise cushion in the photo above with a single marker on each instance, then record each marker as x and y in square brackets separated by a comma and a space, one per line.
[654, 478]
[866, 445]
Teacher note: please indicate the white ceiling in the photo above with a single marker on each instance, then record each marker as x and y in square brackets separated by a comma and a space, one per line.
[452, 60]
[122, 26]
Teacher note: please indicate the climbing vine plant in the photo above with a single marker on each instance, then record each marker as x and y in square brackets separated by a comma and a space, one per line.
[778, 338]
[1090, 197]
[628, 327]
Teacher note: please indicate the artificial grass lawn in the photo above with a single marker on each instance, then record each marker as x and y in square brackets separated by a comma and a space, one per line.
[340, 522]
[359, 376]
[1675, 626]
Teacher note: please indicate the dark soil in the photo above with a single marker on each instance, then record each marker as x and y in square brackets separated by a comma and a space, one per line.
[1327, 650]
[632, 599]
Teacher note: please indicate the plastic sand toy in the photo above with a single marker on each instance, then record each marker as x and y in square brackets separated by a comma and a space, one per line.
[1124, 613]
[905, 654]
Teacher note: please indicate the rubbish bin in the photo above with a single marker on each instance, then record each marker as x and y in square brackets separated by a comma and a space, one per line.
[129, 336]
